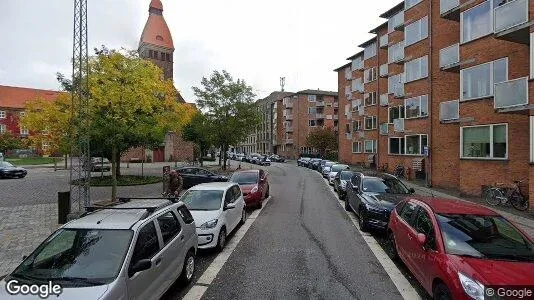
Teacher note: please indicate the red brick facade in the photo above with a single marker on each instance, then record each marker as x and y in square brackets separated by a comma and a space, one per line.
[485, 155]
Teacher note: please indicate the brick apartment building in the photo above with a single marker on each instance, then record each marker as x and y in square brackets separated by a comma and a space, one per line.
[451, 79]
[298, 114]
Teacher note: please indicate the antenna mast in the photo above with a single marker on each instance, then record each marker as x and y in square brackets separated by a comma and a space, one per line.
[282, 83]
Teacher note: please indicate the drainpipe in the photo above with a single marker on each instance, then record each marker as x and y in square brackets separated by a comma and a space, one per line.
[431, 104]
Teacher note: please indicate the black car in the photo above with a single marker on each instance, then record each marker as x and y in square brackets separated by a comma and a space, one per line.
[340, 182]
[303, 161]
[277, 158]
[372, 197]
[8, 170]
[316, 163]
[194, 176]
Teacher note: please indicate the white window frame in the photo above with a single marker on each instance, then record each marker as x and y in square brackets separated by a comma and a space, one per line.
[421, 37]
[458, 110]
[492, 83]
[420, 99]
[310, 123]
[359, 147]
[490, 142]
[366, 73]
[373, 123]
[373, 96]
[3, 128]
[359, 122]
[418, 61]
[389, 145]
[401, 112]
[312, 98]
[373, 146]
[462, 22]
[310, 110]
[532, 55]
[420, 144]
[24, 131]
[411, 3]
[3, 114]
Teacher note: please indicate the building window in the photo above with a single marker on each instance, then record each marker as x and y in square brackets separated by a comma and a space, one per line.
[312, 123]
[416, 31]
[162, 56]
[369, 51]
[24, 131]
[396, 145]
[415, 144]
[22, 114]
[2, 128]
[449, 110]
[486, 141]
[356, 147]
[312, 98]
[479, 81]
[417, 69]
[312, 110]
[150, 53]
[370, 99]
[356, 125]
[416, 107]
[357, 85]
[156, 54]
[395, 112]
[410, 3]
[370, 123]
[347, 128]
[477, 21]
[396, 52]
[3, 114]
[395, 21]
[396, 84]
[370, 146]
[369, 75]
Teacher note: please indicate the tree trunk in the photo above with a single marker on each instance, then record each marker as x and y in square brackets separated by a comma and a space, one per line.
[143, 163]
[220, 156]
[102, 167]
[224, 156]
[66, 164]
[113, 173]
[117, 156]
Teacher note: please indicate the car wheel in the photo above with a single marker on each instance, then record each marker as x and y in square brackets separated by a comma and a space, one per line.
[188, 270]
[243, 217]
[392, 246]
[260, 204]
[347, 206]
[362, 220]
[441, 292]
[221, 240]
[22, 176]
[267, 192]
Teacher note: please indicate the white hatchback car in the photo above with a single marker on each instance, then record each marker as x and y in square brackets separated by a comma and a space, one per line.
[334, 170]
[218, 208]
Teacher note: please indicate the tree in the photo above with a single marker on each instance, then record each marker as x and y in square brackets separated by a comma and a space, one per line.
[323, 140]
[229, 109]
[8, 142]
[199, 132]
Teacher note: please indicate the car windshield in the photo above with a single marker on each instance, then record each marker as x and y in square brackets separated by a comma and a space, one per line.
[384, 186]
[345, 175]
[486, 237]
[337, 168]
[203, 199]
[80, 257]
[5, 164]
[245, 178]
[99, 160]
[329, 164]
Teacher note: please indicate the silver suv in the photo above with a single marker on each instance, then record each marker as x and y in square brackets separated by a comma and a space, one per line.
[134, 250]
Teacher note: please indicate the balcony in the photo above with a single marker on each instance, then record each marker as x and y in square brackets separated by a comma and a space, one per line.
[384, 40]
[289, 141]
[384, 100]
[359, 66]
[384, 128]
[289, 117]
[288, 104]
[398, 125]
[449, 58]
[512, 95]
[450, 9]
[319, 116]
[361, 110]
[335, 105]
[348, 136]
[384, 70]
[397, 21]
[289, 129]
[319, 104]
[510, 21]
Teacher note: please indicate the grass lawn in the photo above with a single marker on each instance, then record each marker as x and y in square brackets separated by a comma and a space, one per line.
[32, 161]
[125, 180]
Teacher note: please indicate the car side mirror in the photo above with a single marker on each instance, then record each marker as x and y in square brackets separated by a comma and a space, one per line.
[356, 189]
[421, 239]
[142, 265]
[263, 179]
[412, 191]
[228, 206]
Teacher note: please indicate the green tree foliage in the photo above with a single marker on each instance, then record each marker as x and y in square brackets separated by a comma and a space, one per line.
[9, 142]
[324, 140]
[229, 108]
[199, 132]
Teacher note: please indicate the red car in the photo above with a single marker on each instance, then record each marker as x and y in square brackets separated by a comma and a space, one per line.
[458, 249]
[254, 186]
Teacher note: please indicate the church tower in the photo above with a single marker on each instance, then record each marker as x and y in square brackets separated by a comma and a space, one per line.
[156, 41]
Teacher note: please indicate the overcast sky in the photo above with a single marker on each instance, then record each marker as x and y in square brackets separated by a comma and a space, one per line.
[259, 41]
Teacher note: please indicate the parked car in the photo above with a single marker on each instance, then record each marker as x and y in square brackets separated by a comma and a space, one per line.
[254, 185]
[303, 161]
[340, 183]
[193, 176]
[321, 165]
[456, 249]
[373, 197]
[334, 169]
[8, 170]
[277, 158]
[218, 208]
[264, 161]
[239, 157]
[138, 248]
[315, 163]
[326, 168]
[100, 164]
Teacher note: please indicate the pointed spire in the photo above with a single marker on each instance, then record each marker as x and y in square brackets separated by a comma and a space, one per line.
[156, 31]
[156, 7]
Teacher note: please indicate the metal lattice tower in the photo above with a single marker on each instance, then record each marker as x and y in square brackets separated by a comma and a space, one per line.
[80, 153]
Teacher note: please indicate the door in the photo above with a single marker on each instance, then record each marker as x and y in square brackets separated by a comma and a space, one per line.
[173, 252]
[187, 177]
[424, 258]
[405, 233]
[354, 201]
[204, 176]
[144, 285]
[239, 203]
[231, 214]
[159, 154]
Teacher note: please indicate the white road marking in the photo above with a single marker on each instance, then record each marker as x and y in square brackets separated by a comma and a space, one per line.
[405, 288]
[197, 291]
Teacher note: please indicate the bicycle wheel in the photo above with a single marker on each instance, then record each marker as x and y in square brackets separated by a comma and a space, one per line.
[493, 197]
[519, 202]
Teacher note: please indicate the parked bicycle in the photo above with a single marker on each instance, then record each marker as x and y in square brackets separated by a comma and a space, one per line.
[498, 194]
[400, 172]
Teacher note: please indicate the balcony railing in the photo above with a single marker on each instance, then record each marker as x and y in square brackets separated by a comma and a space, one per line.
[398, 125]
[319, 103]
[384, 129]
[449, 56]
[384, 40]
[448, 5]
[335, 104]
[511, 93]
[289, 117]
[361, 110]
[289, 141]
[384, 100]
[319, 116]
[384, 70]
[510, 15]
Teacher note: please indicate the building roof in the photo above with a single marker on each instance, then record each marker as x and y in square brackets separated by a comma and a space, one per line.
[317, 92]
[393, 11]
[156, 31]
[375, 30]
[368, 42]
[342, 67]
[16, 97]
[356, 55]
[274, 96]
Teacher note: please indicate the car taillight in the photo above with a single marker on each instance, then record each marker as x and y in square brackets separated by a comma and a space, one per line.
[254, 189]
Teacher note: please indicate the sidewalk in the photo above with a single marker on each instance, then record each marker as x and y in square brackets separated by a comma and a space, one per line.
[521, 219]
